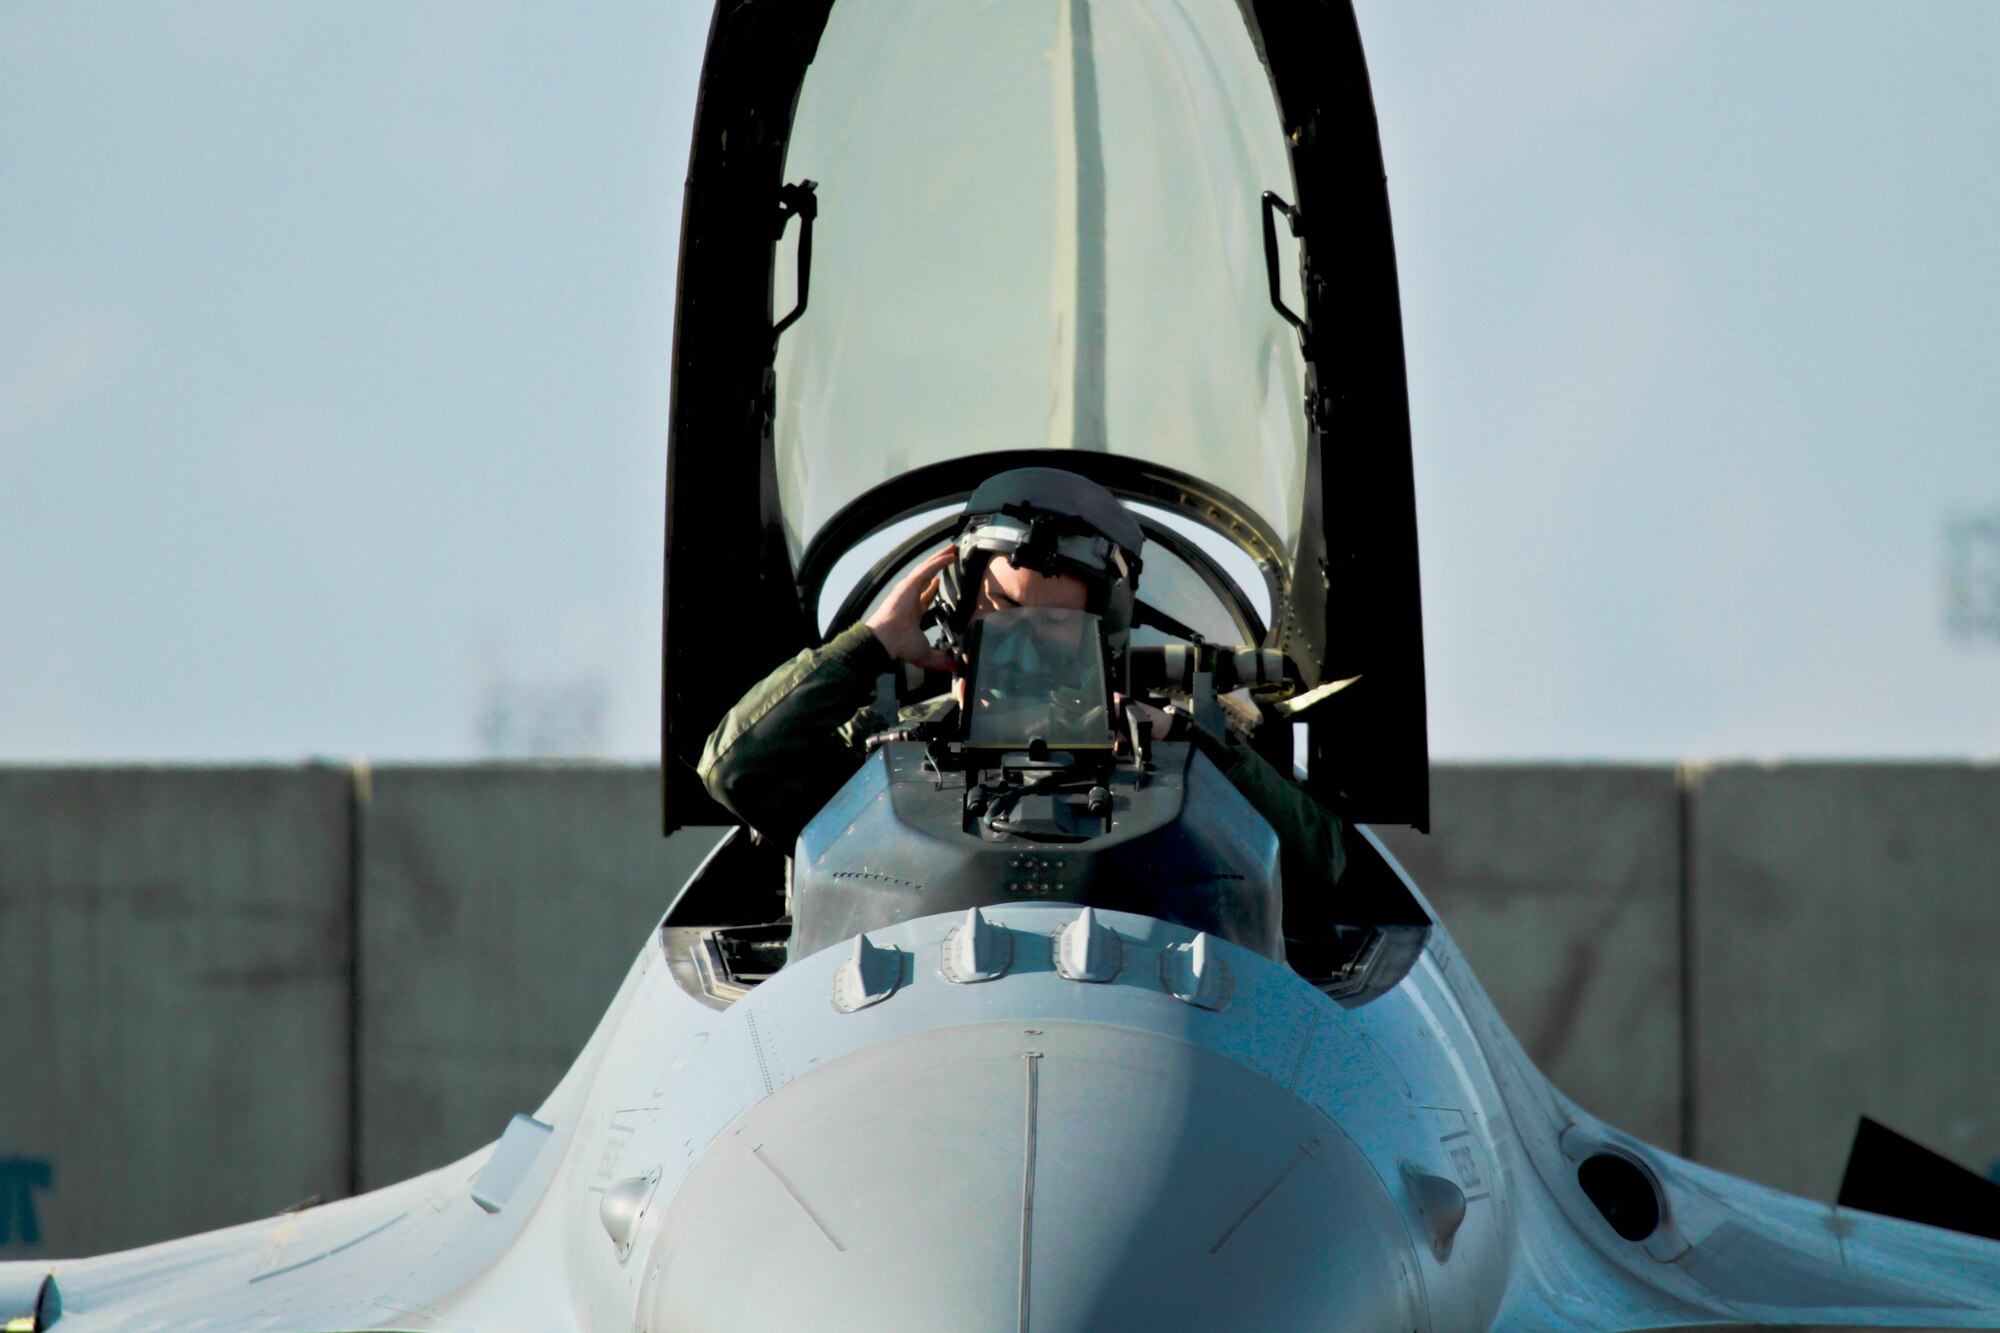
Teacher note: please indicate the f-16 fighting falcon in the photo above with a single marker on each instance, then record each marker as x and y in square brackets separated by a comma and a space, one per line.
[1040, 439]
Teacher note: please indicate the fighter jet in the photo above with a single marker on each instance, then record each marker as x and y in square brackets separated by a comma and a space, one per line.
[1009, 1040]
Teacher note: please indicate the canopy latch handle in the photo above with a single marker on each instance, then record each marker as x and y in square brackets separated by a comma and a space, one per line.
[1273, 206]
[801, 201]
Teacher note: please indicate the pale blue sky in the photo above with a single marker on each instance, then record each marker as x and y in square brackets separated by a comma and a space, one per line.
[334, 365]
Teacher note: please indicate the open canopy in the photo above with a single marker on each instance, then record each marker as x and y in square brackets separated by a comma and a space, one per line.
[1145, 240]
[1054, 245]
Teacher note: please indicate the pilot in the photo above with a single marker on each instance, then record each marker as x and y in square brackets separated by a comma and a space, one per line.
[790, 743]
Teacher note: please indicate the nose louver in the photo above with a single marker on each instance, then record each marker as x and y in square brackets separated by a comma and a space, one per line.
[977, 950]
[1088, 950]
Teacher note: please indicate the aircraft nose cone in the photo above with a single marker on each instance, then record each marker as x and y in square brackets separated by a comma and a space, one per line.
[1078, 1178]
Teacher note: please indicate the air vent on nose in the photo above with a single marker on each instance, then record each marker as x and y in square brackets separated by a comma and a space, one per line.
[869, 976]
[1195, 974]
[977, 950]
[1088, 950]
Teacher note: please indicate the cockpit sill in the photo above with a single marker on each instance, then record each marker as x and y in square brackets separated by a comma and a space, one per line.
[718, 961]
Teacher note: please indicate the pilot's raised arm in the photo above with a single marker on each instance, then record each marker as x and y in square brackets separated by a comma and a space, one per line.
[787, 746]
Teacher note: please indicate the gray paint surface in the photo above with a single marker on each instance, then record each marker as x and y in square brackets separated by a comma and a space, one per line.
[1562, 885]
[174, 948]
[914, 1202]
[1253, 1166]
[501, 905]
[1845, 924]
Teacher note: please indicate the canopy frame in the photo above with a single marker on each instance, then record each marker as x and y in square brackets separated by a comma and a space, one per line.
[1347, 602]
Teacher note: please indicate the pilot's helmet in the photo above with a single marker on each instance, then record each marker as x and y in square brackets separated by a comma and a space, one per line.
[1054, 522]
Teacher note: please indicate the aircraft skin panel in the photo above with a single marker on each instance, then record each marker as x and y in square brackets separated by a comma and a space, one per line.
[1429, 1142]
[340, 1266]
[1728, 1253]
[405, 1257]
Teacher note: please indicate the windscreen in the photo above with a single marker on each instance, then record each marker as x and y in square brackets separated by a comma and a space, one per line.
[1039, 227]
[1038, 674]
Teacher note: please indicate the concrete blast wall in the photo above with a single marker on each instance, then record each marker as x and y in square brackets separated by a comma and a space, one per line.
[500, 909]
[223, 990]
[175, 965]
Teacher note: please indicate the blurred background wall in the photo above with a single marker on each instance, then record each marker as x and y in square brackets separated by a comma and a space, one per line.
[224, 990]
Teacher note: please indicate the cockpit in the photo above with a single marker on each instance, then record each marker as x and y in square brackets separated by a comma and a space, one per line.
[1039, 782]
[1143, 241]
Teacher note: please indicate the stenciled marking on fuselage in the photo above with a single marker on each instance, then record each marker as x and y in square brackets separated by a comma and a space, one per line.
[1305, 1151]
[20, 1177]
[785, 1181]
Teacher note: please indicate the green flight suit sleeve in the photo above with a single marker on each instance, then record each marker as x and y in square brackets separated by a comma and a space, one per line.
[789, 744]
[1311, 839]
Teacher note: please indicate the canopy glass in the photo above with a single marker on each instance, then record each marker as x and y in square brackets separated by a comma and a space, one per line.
[1038, 227]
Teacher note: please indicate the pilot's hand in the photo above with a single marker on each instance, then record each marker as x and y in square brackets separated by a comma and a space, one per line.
[899, 621]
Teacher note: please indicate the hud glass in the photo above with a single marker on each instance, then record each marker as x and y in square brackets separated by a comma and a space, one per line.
[1038, 674]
